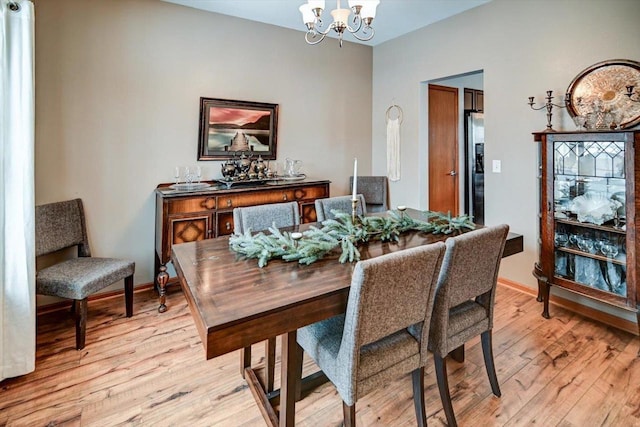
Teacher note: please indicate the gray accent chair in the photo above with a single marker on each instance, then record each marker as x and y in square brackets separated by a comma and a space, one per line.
[464, 302]
[260, 218]
[62, 225]
[370, 344]
[375, 190]
[340, 203]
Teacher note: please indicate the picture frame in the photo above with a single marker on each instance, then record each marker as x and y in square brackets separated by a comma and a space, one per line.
[229, 127]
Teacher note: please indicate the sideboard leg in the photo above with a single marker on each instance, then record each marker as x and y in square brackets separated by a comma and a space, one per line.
[162, 279]
[156, 271]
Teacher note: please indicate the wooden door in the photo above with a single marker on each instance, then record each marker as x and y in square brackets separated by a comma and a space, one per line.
[443, 149]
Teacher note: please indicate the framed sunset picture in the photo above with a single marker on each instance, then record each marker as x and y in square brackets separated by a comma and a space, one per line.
[228, 128]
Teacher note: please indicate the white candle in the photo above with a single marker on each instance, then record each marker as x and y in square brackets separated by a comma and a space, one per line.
[355, 178]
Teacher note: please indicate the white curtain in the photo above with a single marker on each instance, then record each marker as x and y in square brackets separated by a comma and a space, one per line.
[17, 253]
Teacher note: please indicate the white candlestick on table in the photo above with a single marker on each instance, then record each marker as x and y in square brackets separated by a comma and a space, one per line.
[355, 179]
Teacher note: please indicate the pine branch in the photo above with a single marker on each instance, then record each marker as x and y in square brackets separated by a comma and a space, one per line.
[341, 232]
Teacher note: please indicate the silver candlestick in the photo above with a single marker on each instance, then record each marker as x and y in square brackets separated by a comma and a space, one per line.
[549, 106]
[354, 210]
[631, 93]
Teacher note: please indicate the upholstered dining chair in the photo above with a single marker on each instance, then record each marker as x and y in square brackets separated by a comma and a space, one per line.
[375, 190]
[62, 225]
[340, 203]
[370, 345]
[260, 218]
[463, 307]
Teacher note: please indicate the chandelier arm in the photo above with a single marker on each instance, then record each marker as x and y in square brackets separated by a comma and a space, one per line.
[326, 31]
[319, 23]
[364, 39]
[322, 36]
[355, 30]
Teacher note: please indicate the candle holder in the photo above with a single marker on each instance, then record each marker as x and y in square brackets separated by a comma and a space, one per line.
[401, 209]
[631, 93]
[295, 236]
[354, 210]
[549, 106]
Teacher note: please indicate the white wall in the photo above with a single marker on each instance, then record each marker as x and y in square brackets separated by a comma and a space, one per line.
[118, 85]
[524, 47]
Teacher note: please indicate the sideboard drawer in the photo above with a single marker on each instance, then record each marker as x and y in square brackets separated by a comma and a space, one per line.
[224, 223]
[311, 193]
[231, 201]
[191, 204]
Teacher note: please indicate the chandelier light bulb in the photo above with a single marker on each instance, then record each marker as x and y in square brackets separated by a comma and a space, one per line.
[307, 14]
[340, 16]
[316, 4]
[369, 8]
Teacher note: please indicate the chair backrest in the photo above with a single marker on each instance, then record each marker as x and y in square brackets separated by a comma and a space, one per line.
[61, 225]
[469, 271]
[389, 293]
[261, 217]
[375, 190]
[340, 203]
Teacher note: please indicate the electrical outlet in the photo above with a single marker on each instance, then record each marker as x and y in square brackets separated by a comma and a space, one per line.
[497, 166]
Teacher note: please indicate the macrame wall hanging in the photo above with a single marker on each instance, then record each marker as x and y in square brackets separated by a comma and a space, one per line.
[394, 120]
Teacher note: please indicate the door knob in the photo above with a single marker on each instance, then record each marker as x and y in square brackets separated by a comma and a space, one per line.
[453, 173]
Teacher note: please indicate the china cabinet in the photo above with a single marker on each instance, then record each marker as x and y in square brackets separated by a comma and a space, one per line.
[187, 216]
[588, 216]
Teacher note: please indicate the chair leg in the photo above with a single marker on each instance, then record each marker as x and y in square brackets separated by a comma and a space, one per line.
[418, 396]
[128, 295]
[269, 363]
[81, 323]
[487, 352]
[458, 354]
[443, 387]
[349, 413]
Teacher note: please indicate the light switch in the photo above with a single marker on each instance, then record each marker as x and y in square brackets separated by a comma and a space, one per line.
[497, 166]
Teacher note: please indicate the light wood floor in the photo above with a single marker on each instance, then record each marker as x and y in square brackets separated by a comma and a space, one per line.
[150, 370]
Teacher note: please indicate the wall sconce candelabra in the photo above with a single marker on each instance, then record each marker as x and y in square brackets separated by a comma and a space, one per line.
[549, 106]
[630, 93]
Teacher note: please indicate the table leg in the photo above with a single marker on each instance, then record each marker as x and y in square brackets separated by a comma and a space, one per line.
[288, 380]
[269, 363]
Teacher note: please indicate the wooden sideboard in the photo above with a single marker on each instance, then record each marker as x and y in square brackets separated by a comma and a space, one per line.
[204, 214]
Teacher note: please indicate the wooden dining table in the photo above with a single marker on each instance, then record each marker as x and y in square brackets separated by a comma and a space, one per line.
[235, 303]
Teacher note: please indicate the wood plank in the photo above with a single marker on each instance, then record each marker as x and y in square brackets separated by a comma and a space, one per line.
[151, 370]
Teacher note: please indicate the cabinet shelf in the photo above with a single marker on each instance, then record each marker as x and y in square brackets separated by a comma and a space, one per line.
[590, 255]
[576, 223]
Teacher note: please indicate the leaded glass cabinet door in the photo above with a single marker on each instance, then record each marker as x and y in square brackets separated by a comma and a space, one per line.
[589, 214]
[588, 228]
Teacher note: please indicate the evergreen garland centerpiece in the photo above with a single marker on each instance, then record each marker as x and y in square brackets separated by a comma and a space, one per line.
[343, 232]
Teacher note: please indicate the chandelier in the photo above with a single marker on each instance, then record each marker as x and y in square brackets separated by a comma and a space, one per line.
[363, 13]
